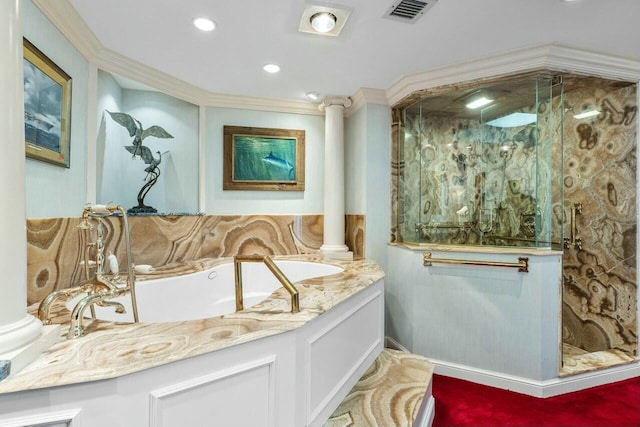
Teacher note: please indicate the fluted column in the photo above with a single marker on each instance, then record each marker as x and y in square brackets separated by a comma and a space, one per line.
[17, 328]
[334, 202]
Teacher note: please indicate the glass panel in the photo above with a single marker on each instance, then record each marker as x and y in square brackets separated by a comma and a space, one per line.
[477, 176]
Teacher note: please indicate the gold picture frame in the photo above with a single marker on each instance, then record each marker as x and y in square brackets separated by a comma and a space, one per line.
[47, 108]
[263, 159]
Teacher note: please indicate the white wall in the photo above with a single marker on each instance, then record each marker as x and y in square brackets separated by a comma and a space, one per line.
[54, 191]
[108, 165]
[367, 175]
[485, 318]
[221, 202]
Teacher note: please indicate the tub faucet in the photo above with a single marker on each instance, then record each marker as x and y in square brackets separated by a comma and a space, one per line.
[100, 288]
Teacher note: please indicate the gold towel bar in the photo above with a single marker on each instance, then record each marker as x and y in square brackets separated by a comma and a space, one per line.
[522, 265]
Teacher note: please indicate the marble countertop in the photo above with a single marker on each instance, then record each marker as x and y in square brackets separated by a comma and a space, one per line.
[113, 349]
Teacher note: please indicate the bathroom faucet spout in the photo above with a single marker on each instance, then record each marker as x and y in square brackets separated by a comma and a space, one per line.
[45, 304]
[76, 329]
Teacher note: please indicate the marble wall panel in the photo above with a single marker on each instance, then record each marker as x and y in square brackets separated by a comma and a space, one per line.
[467, 183]
[600, 284]
[55, 246]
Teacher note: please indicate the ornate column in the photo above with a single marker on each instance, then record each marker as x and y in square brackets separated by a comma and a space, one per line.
[334, 202]
[17, 329]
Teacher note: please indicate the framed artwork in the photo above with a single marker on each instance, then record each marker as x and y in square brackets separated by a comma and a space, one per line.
[47, 108]
[263, 159]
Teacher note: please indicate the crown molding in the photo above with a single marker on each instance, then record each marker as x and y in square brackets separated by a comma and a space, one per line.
[553, 57]
[261, 104]
[113, 62]
[67, 20]
[364, 96]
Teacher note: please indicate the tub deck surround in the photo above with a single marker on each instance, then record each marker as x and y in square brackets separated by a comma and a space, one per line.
[113, 349]
[55, 246]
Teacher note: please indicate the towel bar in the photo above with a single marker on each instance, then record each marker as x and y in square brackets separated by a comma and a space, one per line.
[522, 265]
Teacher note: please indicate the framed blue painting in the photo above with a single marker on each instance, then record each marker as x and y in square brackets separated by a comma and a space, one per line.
[263, 159]
[47, 108]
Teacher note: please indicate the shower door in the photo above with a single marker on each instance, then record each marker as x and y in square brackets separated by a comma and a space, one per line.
[599, 309]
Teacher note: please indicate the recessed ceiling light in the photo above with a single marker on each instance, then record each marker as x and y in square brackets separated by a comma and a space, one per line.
[480, 102]
[324, 19]
[271, 68]
[323, 22]
[313, 95]
[204, 24]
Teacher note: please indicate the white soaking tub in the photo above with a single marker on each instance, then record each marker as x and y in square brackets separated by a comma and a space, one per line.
[207, 293]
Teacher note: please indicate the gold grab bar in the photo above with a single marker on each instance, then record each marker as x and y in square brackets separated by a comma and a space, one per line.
[522, 265]
[286, 283]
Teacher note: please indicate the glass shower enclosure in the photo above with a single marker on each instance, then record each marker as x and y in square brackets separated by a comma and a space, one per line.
[540, 161]
[476, 165]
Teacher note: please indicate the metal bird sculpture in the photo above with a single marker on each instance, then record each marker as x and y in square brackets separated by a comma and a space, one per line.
[142, 151]
[138, 133]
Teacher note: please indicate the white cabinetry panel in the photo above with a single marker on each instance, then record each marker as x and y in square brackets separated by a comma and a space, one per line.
[219, 397]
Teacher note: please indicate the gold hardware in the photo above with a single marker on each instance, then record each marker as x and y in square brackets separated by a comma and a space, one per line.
[574, 241]
[522, 265]
[286, 283]
[99, 288]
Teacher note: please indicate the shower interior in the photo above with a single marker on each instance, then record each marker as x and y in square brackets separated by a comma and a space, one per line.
[532, 170]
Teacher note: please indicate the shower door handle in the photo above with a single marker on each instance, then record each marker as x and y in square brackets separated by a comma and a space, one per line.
[574, 241]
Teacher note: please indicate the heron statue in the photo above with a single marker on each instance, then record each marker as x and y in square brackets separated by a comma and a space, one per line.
[135, 129]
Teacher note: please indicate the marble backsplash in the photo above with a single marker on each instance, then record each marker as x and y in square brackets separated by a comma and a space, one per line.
[55, 246]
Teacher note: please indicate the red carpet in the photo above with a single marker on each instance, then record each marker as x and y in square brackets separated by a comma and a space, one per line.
[462, 403]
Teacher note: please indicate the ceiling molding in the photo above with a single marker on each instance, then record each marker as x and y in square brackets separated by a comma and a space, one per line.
[364, 96]
[262, 104]
[553, 57]
[113, 62]
[67, 20]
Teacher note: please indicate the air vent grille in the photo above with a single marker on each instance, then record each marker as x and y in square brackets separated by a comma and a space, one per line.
[408, 10]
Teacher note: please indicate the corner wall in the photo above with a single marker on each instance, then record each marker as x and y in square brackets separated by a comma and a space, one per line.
[367, 171]
[52, 190]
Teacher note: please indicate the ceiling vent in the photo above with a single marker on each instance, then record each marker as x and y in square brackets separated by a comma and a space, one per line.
[408, 10]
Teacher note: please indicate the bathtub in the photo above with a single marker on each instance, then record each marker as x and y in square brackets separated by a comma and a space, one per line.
[291, 369]
[207, 293]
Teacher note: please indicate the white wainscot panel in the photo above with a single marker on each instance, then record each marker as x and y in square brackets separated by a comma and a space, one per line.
[219, 397]
[49, 419]
[338, 351]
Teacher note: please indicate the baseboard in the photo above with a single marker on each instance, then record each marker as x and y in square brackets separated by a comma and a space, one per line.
[543, 389]
[394, 345]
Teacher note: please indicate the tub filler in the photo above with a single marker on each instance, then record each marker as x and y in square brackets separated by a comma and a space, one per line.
[194, 361]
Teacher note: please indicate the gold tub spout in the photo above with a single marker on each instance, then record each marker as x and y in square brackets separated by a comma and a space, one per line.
[45, 304]
[76, 329]
[282, 278]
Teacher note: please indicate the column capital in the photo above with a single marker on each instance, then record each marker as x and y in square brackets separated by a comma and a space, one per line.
[331, 100]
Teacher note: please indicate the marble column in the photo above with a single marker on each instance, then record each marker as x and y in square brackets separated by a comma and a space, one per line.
[334, 201]
[17, 328]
